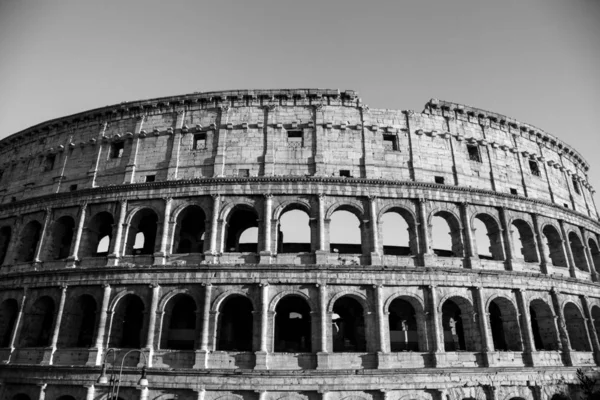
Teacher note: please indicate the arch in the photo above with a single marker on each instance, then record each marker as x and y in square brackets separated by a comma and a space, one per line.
[495, 251]
[410, 246]
[275, 300]
[346, 219]
[142, 221]
[358, 296]
[37, 323]
[240, 218]
[236, 323]
[288, 205]
[452, 221]
[218, 302]
[523, 241]
[293, 230]
[293, 325]
[28, 241]
[543, 325]
[97, 232]
[228, 208]
[353, 206]
[596, 319]
[61, 238]
[79, 322]
[8, 317]
[403, 325]
[179, 323]
[553, 246]
[166, 298]
[230, 396]
[127, 322]
[576, 329]
[5, 236]
[578, 251]
[348, 325]
[180, 208]
[189, 230]
[595, 252]
[504, 324]
[459, 328]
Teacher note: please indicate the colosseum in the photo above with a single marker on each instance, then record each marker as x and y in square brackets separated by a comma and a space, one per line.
[183, 248]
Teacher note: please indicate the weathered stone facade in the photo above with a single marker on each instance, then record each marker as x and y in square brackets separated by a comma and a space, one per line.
[121, 228]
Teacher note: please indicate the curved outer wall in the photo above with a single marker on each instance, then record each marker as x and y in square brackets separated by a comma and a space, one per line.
[226, 161]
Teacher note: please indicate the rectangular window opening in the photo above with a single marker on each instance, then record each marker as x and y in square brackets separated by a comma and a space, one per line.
[116, 149]
[440, 179]
[474, 152]
[295, 138]
[513, 191]
[566, 205]
[1, 173]
[150, 178]
[49, 162]
[13, 199]
[199, 141]
[243, 173]
[345, 173]
[390, 143]
[534, 167]
[72, 188]
[576, 186]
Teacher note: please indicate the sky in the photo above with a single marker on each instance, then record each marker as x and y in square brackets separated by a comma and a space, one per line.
[536, 60]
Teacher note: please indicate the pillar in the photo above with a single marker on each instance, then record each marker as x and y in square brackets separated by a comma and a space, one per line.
[202, 354]
[173, 167]
[381, 325]
[588, 256]
[220, 137]
[507, 229]
[593, 335]
[132, 162]
[526, 332]
[261, 355]
[161, 257]
[90, 392]
[265, 255]
[538, 238]
[152, 323]
[567, 249]
[113, 258]
[17, 327]
[214, 225]
[40, 244]
[73, 259]
[144, 393]
[472, 260]
[322, 355]
[96, 353]
[376, 251]
[322, 251]
[562, 328]
[486, 344]
[49, 354]
[93, 172]
[42, 394]
[438, 342]
[426, 251]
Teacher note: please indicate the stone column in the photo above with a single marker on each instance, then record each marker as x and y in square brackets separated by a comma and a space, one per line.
[131, 164]
[562, 328]
[588, 256]
[214, 226]
[49, 353]
[90, 392]
[144, 392]
[92, 172]
[96, 353]
[202, 354]
[265, 255]
[161, 257]
[487, 345]
[470, 249]
[322, 355]
[173, 168]
[507, 229]
[381, 323]
[152, 322]
[220, 135]
[322, 250]
[113, 259]
[567, 249]
[376, 250]
[261, 355]
[42, 394]
[438, 342]
[526, 332]
[40, 243]
[426, 250]
[538, 238]
[73, 258]
[593, 335]
[17, 326]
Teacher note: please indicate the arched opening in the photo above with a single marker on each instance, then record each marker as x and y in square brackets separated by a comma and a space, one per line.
[293, 325]
[189, 231]
[242, 230]
[504, 324]
[553, 246]
[445, 233]
[179, 323]
[30, 237]
[98, 235]
[294, 231]
[345, 236]
[128, 320]
[403, 326]
[37, 323]
[235, 324]
[348, 326]
[596, 319]
[488, 238]
[399, 233]
[8, 316]
[62, 236]
[458, 325]
[5, 234]
[79, 323]
[142, 233]
[543, 326]
[578, 252]
[523, 241]
[595, 254]
[576, 328]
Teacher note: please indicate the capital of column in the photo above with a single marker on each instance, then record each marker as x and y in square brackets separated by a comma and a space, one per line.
[63, 287]
[263, 284]
[153, 285]
[105, 285]
[268, 195]
[206, 284]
